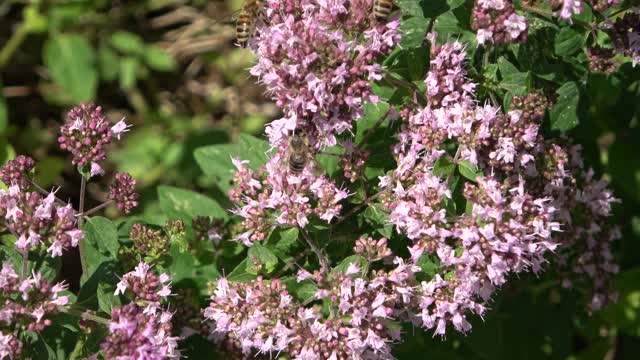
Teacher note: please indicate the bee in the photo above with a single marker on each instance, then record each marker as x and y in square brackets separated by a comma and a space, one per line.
[250, 13]
[299, 152]
[382, 9]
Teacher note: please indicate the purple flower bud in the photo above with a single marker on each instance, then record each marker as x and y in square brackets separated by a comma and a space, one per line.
[122, 191]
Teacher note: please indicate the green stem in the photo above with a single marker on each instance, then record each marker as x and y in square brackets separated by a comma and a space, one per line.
[14, 42]
[322, 258]
[82, 245]
[374, 128]
[95, 209]
[25, 262]
[86, 316]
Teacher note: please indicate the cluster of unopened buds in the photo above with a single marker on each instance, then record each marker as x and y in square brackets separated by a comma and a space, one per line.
[372, 249]
[86, 135]
[601, 60]
[18, 172]
[142, 329]
[353, 161]
[208, 229]
[123, 192]
[25, 305]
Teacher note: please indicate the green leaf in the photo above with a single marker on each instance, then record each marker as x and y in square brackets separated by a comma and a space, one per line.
[158, 59]
[413, 31]
[444, 166]
[564, 114]
[517, 83]
[379, 220]
[568, 41]
[372, 114]
[468, 170]
[186, 204]
[410, 7]
[215, 160]
[344, 264]
[240, 274]
[416, 62]
[261, 259]
[434, 8]
[103, 233]
[430, 265]
[71, 63]
[303, 290]
[101, 240]
[108, 62]
[283, 242]
[330, 163]
[514, 81]
[128, 70]
[506, 68]
[127, 43]
[106, 298]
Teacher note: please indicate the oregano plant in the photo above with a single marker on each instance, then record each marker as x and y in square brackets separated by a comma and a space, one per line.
[421, 163]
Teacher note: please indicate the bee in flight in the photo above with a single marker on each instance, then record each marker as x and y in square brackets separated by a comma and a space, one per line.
[299, 152]
[250, 13]
[382, 9]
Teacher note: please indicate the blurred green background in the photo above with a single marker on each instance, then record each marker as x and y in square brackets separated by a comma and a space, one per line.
[171, 68]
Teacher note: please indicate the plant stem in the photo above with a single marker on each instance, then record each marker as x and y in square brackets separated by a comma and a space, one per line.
[374, 128]
[45, 192]
[357, 208]
[25, 262]
[456, 157]
[95, 209]
[81, 245]
[86, 316]
[322, 258]
[16, 39]
[536, 10]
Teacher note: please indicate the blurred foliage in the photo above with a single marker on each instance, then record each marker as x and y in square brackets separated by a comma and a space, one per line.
[171, 68]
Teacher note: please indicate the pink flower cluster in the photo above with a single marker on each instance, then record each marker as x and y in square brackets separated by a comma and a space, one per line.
[496, 21]
[316, 59]
[518, 198]
[280, 198]
[146, 287]
[565, 9]
[25, 305]
[86, 135]
[261, 317]
[135, 335]
[36, 220]
[321, 90]
[142, 329]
